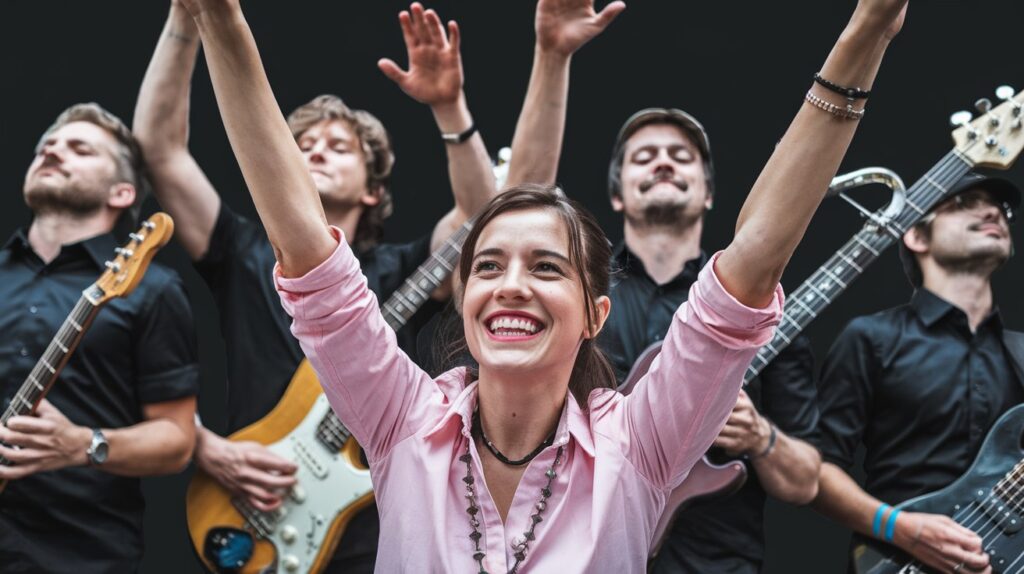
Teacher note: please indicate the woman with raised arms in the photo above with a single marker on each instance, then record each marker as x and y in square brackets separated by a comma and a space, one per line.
[533, 462]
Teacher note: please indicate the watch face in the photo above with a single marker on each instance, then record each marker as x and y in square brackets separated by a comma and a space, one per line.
[99, 448]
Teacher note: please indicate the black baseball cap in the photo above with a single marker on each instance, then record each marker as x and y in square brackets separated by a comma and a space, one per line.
[1004, 190]
[648, 116]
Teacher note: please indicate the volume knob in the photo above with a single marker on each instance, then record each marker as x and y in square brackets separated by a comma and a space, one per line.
[298, 494]
[290, 563]
[289, 533]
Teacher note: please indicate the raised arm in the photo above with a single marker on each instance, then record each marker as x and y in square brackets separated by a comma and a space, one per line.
[272, 165]
[562, 27]
[792, 184]
[435, 78]
[161, 126]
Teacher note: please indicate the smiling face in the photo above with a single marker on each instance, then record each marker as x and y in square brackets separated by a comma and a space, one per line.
[663, 178]
[968, 233]
[335, 159]
[75, 170]
[523, 305]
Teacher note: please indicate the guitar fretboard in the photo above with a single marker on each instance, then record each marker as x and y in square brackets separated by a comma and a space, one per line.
[830, 280]
[397, 311]
[57, 353]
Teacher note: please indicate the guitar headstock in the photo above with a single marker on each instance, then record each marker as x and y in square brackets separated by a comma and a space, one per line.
[126, 269]
[996, 137]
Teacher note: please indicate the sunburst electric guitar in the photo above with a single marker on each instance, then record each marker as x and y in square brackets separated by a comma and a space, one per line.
[123, 274]
[993, 140]
[230, 535]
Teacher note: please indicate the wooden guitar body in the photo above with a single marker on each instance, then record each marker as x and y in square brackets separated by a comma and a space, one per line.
[301, 535]
[971, 502]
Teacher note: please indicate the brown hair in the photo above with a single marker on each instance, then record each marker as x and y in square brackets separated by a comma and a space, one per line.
[131, 167]
[376, 146]
[589, 254]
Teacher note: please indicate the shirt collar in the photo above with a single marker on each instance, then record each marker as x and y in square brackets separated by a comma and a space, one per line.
[625, 261]
[931, 309]
[572, 423]
[99, 248]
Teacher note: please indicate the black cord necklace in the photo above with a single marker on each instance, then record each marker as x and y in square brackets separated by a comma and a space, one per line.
[497, 453]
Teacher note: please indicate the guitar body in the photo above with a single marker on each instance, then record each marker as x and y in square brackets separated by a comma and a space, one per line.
[1000, 453]
[706, 480]
[302, 534]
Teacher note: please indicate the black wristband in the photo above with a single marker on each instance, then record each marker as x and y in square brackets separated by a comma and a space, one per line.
[852, 93]
[459, 138]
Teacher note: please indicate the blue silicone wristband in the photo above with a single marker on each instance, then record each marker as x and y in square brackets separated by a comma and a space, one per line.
[890, 526]
[876, 526]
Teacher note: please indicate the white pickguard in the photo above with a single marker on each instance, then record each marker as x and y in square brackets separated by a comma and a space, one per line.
[327, 484]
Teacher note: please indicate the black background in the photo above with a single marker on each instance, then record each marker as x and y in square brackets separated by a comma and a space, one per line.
[741, 67]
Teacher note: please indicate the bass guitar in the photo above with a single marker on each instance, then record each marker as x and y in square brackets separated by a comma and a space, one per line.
[993, 140]
[123, 274]
[988, 499]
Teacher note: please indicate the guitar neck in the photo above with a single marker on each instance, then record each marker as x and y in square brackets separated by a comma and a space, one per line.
[45, 372]
[830, 280]
[416, 290]
[399, 308]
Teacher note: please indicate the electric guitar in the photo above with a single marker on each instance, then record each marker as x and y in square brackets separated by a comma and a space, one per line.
[988, 499]
[993, 140]
[121, 277]
[230, 536]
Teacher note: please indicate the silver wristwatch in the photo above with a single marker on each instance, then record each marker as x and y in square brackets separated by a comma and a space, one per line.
[98, 449]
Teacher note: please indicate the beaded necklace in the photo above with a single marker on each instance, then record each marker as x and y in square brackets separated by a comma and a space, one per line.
[473, 509]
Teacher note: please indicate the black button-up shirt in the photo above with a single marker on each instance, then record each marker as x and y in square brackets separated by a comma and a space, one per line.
[725, 535]
[919, 390]
[140, 349]
[263, 354]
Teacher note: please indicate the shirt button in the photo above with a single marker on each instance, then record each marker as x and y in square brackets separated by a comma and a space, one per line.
[33, 309]
[24, 352]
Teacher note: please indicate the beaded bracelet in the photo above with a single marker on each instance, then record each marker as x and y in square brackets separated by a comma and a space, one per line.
[851, 93]
[847, 113]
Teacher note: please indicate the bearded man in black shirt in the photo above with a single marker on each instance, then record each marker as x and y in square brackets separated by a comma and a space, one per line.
[920, 385]
[662, 180]
[349, 156]
[123, 406]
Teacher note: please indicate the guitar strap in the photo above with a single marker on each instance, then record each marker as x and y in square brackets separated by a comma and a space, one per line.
[1013, 341]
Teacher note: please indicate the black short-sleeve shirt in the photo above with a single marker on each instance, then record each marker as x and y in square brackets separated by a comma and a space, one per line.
[140, 349]
[725, 535]
[919, 390]
[262, 353]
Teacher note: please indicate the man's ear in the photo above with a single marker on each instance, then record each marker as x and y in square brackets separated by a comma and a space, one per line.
[602, 306]
[617, 204]
[916, 240]
[121, 196]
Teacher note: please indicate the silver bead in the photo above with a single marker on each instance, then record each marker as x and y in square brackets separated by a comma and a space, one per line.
[541, 506]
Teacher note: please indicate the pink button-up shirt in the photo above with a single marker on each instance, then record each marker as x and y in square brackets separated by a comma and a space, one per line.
[621, 458]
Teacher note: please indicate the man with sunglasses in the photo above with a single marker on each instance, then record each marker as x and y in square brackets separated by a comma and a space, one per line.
[920, 385]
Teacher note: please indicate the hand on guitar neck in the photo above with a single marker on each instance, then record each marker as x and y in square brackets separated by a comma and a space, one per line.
[44, 441]
[246, 468]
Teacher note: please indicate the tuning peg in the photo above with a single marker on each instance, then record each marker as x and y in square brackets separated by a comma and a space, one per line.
[1005, 92]
[983, 105]
[961, 118]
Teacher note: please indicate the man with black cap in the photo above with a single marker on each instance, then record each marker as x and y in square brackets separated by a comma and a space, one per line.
[920, 385]
[662, 180]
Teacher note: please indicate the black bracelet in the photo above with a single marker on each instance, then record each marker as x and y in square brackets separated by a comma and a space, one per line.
[852, 93]
[459, 138]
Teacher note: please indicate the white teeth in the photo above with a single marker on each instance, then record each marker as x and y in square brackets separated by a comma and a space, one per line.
[516, 325]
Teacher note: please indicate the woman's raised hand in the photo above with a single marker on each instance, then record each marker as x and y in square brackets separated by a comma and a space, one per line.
[564, 26]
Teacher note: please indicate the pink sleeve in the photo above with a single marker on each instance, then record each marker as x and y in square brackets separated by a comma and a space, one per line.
[376, 390]
[675, 412]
